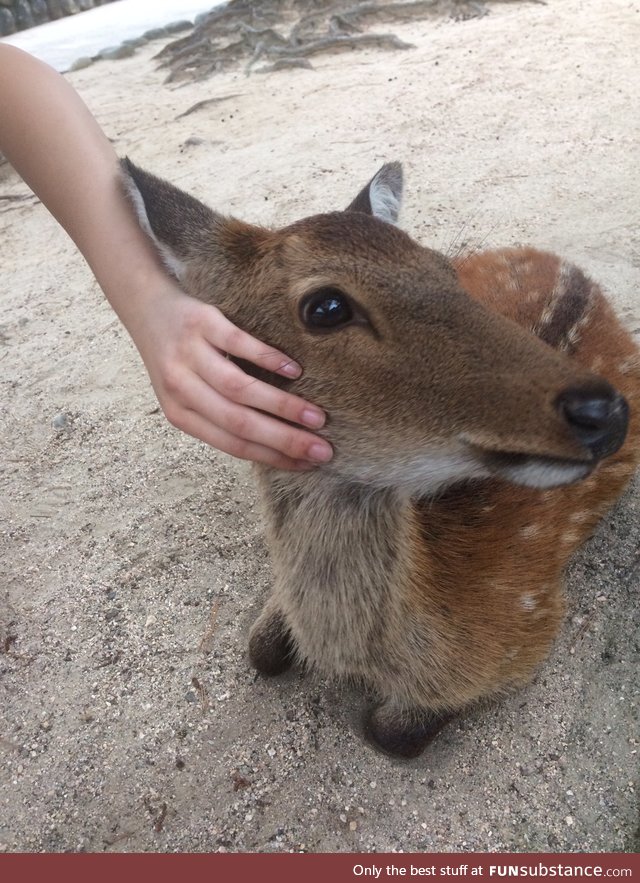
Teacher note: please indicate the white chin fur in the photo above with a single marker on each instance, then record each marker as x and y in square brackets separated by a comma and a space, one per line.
[543, 474]
[428, 474]
[422, 475]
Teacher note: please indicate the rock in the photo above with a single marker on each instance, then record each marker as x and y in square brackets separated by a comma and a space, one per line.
[55, 9]
[22, 14]
[7, 23]
[80, 63]
[114, 53]
[135, 42]
[39, 11]
[60, 421]
[69, 7]
[156, 34]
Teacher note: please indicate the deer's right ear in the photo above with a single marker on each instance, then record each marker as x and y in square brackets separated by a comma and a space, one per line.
[178, 224]
[382, 196]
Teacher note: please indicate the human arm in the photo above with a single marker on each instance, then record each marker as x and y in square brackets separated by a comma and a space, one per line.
[58, 148]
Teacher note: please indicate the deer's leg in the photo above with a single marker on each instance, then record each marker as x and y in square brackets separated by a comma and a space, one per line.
[401, 732]
[271, 647]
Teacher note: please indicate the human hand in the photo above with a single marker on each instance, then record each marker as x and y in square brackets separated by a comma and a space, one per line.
[184, 343]
[56, 145]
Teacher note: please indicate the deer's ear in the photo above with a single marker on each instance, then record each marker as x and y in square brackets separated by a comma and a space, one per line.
[382, 196]
[179, 225]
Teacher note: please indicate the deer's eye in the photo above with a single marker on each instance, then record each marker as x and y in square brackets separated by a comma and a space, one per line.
[325, 309]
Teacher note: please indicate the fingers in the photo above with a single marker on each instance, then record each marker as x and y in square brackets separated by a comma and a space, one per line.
[203, 393]
[224, 335]
[195, 425]
[232, 382]
[242, 431]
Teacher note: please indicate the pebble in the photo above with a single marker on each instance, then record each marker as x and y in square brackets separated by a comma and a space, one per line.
[80, 63]
[156, 34]
[135, 42]
[114, 53]
[60, 421]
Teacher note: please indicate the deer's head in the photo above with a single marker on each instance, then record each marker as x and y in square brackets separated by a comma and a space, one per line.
[423, 386]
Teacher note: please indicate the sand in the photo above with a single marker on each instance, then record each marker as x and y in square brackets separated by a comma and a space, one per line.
[133, 557]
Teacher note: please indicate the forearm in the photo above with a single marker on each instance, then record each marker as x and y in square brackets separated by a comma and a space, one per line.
[58, 148]
[55, 144]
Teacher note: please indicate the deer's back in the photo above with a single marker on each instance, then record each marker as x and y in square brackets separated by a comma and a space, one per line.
[494, 552]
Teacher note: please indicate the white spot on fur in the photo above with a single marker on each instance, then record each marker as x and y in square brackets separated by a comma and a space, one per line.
[628, 365]
[569, 537]
[559, 290]
[514, 284]
[598, 364]
[528, 602]
[580, 517]
[530, 530]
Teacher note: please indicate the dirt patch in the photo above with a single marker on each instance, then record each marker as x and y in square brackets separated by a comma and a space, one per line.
[132, 557]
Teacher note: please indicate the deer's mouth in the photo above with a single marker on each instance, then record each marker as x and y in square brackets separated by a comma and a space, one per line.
[533, 470]
[594, 419]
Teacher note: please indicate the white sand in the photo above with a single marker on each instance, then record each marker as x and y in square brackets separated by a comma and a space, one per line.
[123, 541]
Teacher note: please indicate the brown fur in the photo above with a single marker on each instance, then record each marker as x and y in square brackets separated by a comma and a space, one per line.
[409, 563]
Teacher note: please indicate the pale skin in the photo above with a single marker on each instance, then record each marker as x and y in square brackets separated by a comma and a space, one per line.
[55, 144]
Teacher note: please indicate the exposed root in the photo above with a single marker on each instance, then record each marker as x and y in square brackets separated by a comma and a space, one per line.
[285, 32]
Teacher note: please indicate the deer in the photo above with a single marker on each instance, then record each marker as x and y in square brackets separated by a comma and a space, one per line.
[484, 411]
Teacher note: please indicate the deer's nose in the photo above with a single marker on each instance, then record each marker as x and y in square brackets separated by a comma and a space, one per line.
[598, 417]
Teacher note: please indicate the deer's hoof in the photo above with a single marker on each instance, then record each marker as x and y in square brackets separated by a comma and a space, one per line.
[400, 733]
[271, 647]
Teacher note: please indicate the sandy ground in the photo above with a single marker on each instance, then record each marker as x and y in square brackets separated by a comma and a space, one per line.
[132, 557]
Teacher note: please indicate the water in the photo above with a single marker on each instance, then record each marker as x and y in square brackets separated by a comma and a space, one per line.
[61, 42]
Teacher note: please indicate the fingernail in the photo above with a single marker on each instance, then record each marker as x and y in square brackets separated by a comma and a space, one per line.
[291, 369]
[320, 453]
[312, 418]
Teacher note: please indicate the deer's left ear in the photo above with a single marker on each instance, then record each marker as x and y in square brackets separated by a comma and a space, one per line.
[180, 226]
[382, 196]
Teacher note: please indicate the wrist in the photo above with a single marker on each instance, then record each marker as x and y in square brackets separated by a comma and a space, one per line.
[136, 283]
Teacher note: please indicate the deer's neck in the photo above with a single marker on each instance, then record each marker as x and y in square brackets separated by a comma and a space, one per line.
[341, 554]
